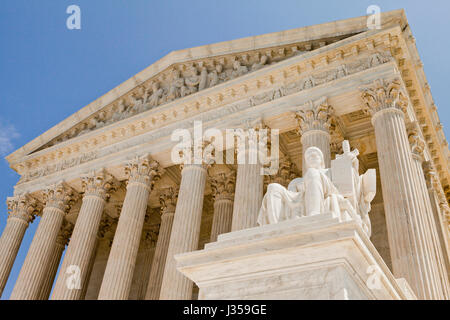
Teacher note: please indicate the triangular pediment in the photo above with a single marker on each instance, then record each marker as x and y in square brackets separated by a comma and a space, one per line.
[186, 72]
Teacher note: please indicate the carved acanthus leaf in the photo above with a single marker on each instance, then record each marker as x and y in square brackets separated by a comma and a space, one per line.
[223, 185]
[384, 94]
[143, 170]
[23, 207]
[60, 196]
[315, 115]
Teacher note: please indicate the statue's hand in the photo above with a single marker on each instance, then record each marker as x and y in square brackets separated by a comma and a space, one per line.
[296, 185]
[369, 185]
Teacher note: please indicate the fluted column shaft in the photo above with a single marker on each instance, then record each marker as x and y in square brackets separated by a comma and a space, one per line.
[98, 269]
[81, 248]
[21, 214]
[185, 231]
[58, 250]
[427, 223]
[439, 208]
[9, 247]
[248, 196]
[159, 259]
[118, 276]
[409, 246]
[33, 273]
[142, 272]
[89, 270]
[401, 204]
[222, 219]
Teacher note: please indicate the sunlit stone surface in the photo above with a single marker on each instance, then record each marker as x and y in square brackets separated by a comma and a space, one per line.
[361, 183]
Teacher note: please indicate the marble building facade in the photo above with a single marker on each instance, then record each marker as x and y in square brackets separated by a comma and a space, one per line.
[108, 193]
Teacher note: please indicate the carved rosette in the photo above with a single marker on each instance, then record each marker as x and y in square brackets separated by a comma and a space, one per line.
[65, 233]
[384, 95]
[168, 200]
[23, 207]
[416, 142]
[315, 115]
[223, 185]
[60, 196]
[99, 184]
[144, 171]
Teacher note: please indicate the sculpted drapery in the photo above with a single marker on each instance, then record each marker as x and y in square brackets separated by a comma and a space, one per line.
[316, 193]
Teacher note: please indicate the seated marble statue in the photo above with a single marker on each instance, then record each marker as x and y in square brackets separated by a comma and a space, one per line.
[316, 193]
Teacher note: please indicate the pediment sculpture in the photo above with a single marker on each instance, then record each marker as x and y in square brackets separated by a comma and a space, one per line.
[338, 190]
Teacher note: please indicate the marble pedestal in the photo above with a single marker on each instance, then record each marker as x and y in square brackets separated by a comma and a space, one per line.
[316, 257]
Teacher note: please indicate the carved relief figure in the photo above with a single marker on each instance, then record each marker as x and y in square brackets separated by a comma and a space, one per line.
[156, 95]
[238, 70]
[256, 66]
[177, 87]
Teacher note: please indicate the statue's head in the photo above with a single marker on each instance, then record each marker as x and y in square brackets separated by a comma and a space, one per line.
[314, 158]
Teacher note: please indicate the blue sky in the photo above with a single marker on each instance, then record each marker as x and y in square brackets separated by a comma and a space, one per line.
[48, 72]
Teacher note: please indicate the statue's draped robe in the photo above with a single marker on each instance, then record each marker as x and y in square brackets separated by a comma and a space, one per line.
[314, 192]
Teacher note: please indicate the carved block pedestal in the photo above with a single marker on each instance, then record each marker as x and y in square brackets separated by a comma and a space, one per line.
[316, 257]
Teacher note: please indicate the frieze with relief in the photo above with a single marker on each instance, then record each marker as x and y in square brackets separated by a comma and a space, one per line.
[304, 83]
[183, 80]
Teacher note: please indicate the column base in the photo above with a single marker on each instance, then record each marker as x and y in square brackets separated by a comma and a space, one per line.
[315, 257]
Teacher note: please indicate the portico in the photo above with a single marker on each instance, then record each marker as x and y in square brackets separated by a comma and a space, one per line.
[109, 169]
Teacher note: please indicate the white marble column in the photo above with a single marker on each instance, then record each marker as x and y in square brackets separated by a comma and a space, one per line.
[97, 188]
[249, 177]
[122, 258]
[98, 268]
[58, 200]
[223, 185]
[168, 199]
[315, 119]
[428, 223]
[387, 103]
[441, 210]
[22, 210]
[435, 246]
[61, 241]
[185, 231]
[144, 263]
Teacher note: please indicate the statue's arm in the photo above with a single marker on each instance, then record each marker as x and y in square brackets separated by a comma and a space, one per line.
[296, 185]
[369, 185]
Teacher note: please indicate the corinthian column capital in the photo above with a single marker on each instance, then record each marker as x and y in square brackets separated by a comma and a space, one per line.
[60, 196]
[223, 185]
[168, 200]
[65, 233]
[149, 238]
[107, 224]
[143, 170]
[384, 95]
[285, 174]
[416, 141]
[23, 207]
[100, 184]
[315, 115]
